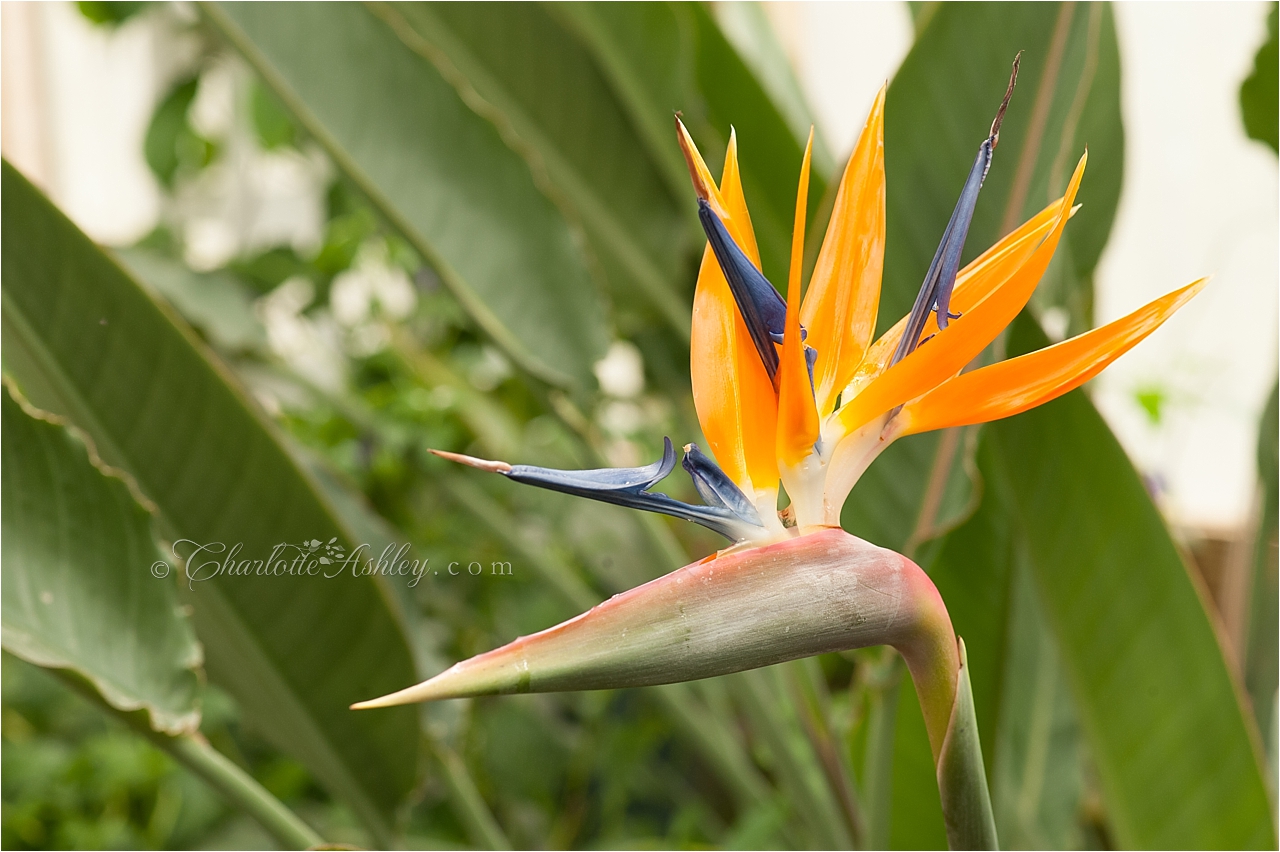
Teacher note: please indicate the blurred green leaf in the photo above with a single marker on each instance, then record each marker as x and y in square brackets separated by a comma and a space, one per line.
[1178, 765]
[86, 342]
[440, 173]
[109, 13]
[216, 303]
[748, 28]
[271, 120]
[84, 587]
[921, 12]
[1152, 399]
[940, 107]
[916, 808]
[661, 58]
[1038, 774]
[1260, 91]
[171, 143]
[68, 768]
[518, 68]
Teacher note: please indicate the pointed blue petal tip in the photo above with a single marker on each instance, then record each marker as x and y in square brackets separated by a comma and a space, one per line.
[624, 487]
[762, 309]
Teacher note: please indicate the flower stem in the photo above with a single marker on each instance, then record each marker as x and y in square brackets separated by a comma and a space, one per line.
[193, 751]
[468, 803]
[882, 716]
[936, 659]
[239, 788]
[962, 782]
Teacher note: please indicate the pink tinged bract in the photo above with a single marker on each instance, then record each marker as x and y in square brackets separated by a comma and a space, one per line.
[827, 591]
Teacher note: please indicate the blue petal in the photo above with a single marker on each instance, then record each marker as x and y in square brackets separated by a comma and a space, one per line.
[594, 483]
[715, 487]
[628, 487]
[762, 309]
[935, 292]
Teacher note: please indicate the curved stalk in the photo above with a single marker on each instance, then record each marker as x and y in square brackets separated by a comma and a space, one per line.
[192, 750]
[239, 788]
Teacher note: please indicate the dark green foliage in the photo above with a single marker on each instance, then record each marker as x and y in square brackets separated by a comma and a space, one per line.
[1260, 91]
[74, 780]
[372, 760]
[518, 164]
[171, 145]
[1264, 634]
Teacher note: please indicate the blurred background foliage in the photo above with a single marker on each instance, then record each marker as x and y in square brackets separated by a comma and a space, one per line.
[503, 265]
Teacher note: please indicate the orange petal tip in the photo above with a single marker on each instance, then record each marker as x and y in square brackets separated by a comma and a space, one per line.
[703, 184]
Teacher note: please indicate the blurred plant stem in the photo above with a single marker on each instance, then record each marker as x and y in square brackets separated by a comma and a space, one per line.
[467, 801]
[882, 685]
[806, 787]
[195, 753]
[810, 696]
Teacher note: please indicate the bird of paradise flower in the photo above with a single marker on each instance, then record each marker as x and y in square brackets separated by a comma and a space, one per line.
[797, 392]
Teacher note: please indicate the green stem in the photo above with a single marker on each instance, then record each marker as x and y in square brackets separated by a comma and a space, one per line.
[802, 779]
[240, 789]
[936, 659]
[812, 702]
[467, 801]
[962, 780]
[941, 675]
[194, 752]
[878, 762]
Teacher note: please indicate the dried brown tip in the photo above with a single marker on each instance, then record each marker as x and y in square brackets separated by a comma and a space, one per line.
[703, 183]
[1004, 104]
[692, 159]
[470, 461]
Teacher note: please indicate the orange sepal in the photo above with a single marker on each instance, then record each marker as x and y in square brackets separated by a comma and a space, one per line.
[984, 275]
[798, 426]
[839, 309]
[732, 394]
[996, 266]
[1013, 386]
[952, 349]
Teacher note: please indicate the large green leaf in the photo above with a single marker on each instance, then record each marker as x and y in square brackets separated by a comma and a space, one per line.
[444, 176]
[939, 108]
[1037, 775]
[1030, 738]
[664, 57]
[1178, 763]
[215, 302]
[84, 341]
[1262, 656]
[749, 30]
[520, 69]
[83, 579]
